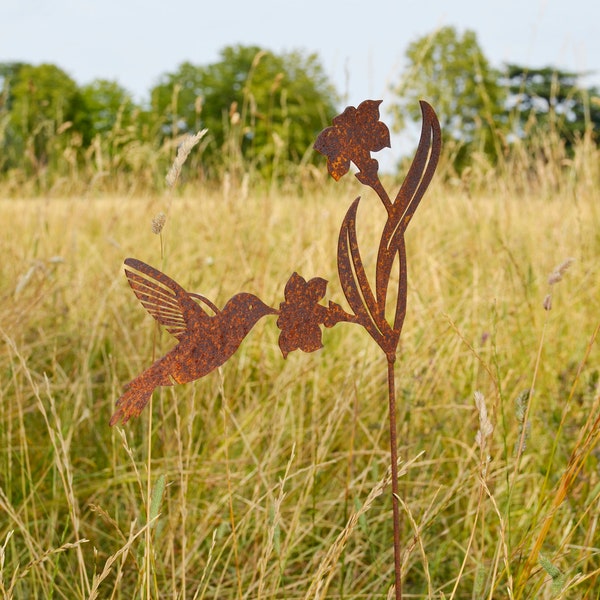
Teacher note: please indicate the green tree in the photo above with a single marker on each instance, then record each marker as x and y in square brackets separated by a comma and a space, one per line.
[450, 71]
[9, 71]
[43, 102]
[548, 97]
[107, 105]
[11, 150]
[258, 106]
[120, 136]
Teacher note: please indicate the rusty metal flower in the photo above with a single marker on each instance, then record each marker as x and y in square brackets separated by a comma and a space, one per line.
[301, 315]
[354, 135]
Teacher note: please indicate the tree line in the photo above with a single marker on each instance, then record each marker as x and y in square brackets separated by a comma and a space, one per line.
[263, 111]
[490, 109]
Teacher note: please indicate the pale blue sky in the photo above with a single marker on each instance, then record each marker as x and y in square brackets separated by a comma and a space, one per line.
[361, 44]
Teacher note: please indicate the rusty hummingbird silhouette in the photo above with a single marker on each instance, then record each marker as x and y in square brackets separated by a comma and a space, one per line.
[205, 341]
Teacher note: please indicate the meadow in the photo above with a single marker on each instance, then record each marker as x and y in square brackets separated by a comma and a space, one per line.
[270, 478]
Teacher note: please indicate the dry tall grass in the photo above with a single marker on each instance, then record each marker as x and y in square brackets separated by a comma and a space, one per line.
[268, 478]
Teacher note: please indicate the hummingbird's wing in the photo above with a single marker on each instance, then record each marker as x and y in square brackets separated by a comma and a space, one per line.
[163, 298]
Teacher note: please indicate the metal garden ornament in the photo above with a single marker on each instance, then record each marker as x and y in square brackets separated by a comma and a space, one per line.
[208, 336]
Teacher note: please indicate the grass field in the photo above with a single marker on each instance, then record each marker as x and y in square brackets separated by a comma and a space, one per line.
[269, 478]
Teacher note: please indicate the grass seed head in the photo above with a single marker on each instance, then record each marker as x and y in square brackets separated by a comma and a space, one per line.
[182, 153]
[485, 425]
[559, 271]
[158, 222]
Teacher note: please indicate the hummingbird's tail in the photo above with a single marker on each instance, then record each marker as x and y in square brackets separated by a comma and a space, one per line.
[137, 394]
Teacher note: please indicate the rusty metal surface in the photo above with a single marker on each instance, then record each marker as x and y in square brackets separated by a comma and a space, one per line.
[352, 136]
[206, 341]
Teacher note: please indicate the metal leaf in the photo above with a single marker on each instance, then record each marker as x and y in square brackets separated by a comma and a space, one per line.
[356, 287]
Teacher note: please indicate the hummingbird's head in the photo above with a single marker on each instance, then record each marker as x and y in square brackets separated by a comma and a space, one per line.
[244, 310]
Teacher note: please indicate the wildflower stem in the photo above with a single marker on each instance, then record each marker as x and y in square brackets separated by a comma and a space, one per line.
[394, 465]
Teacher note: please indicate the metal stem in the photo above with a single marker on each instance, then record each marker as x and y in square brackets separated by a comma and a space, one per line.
[395, 493]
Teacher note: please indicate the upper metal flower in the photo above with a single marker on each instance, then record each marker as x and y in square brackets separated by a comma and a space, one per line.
[353, 136]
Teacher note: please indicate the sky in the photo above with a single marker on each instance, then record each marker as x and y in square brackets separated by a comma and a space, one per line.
[361, 44]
